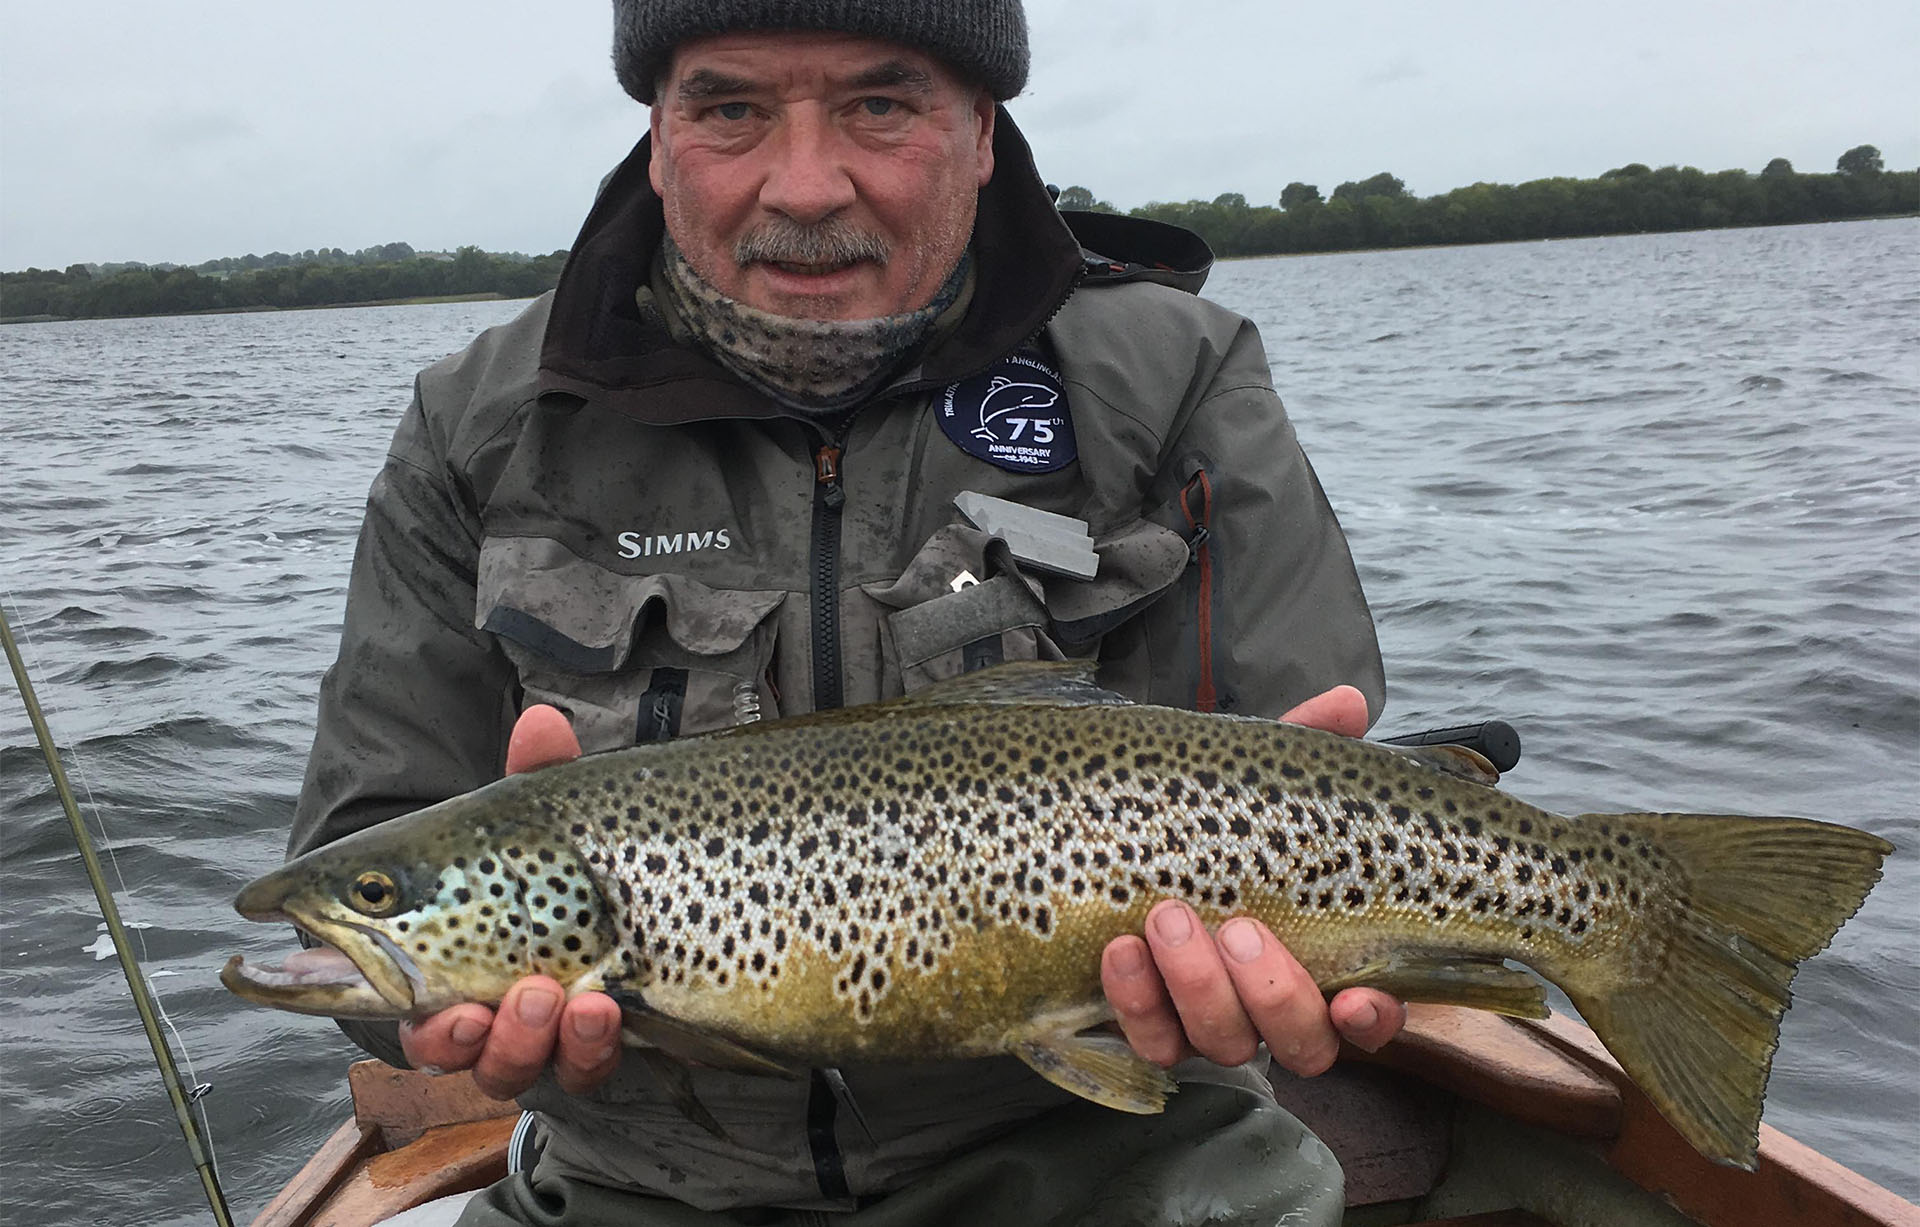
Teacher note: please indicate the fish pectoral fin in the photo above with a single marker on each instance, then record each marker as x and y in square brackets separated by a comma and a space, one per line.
[691, 1043]
[677, 1081]
[1458, 761]
[1099, 1067]
[1464, 980]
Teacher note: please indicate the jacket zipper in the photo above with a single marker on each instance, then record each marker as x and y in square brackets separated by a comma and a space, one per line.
[829, 499]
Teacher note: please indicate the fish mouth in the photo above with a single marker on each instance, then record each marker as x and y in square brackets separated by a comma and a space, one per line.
[356, 972]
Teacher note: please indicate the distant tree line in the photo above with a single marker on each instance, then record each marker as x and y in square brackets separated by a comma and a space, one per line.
[1380, 212]
[1375, 212]
[328, 277]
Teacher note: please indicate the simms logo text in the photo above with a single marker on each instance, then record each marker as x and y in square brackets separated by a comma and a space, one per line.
[642, 545]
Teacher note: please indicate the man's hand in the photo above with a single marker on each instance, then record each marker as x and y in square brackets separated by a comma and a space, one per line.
[535, 1024]
[1181, 991]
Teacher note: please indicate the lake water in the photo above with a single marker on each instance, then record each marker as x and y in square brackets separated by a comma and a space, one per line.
[1654, 500]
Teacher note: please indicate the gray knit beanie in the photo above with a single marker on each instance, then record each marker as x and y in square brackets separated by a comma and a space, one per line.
[986, 39]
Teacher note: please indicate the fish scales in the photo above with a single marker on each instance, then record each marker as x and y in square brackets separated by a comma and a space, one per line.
[936, 877]
[869, 878]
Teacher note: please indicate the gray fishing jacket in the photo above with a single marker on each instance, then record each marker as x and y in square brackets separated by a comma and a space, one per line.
[580, 510]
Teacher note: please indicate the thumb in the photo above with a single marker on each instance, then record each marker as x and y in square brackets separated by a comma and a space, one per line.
[541, 738]
[1342, 710]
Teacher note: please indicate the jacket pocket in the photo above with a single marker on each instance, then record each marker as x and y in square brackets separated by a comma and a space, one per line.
[964, 603]
[628, 657]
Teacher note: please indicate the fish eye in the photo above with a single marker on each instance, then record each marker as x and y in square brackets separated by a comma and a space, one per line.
[374, 893]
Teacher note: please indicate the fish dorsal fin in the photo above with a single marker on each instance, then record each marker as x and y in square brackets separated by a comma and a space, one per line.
[1452, 760]
[1050, 683]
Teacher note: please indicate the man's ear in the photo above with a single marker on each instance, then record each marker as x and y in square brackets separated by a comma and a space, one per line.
[984, 109]
[655, 156]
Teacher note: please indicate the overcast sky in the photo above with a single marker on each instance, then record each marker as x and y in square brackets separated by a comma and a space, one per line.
[191, 129]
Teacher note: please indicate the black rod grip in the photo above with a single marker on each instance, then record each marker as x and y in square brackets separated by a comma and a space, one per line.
[1494, 740]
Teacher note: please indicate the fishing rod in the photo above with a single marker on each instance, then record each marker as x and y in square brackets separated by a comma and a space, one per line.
[136, 982]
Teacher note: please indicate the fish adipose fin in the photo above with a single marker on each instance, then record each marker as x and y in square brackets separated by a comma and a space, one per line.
[1695, 1023]
[1100, 1067]
[1460, 761]
[1479, 984]
[1046, 683]
[691, 1043]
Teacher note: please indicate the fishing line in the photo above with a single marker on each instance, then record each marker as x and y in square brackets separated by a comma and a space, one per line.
[145, 1000]
[198, 1090]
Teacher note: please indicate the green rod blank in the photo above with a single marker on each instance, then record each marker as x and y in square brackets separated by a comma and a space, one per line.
[136, 983]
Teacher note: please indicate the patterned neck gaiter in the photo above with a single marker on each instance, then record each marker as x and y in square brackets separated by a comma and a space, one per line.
[816, 366]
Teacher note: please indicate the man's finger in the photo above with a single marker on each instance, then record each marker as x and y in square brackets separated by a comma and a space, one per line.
[1197, 980]
[589, 1042]
[1342, 710]
[525, 1032]
[1280, 998]
[541, 737]
[1140, 1002]
[1367, 1017]
[449, 1040]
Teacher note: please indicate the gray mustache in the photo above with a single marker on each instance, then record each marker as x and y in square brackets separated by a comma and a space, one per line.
[832, 242]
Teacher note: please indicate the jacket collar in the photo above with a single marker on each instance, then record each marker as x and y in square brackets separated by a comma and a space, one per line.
[602, 346]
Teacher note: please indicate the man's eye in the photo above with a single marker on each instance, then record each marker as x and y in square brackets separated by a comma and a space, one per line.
[879, 106]
[734, 111]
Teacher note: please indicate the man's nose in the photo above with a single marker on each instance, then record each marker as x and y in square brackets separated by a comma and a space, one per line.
[808, 179]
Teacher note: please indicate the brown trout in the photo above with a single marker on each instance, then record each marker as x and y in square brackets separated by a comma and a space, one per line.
[936, 877]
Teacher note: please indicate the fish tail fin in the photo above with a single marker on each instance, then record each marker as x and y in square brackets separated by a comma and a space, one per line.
[1696, 1025]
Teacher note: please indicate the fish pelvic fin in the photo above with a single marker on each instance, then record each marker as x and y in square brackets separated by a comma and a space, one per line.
[1464, 980]
[1697, 1032]
[1100, 1067]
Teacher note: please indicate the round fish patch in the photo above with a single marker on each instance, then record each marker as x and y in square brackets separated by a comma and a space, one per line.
[1014, 416]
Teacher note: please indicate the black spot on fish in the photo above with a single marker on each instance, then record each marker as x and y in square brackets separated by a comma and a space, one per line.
[1355, 897]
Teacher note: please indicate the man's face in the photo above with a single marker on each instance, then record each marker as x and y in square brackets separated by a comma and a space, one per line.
[819, 175]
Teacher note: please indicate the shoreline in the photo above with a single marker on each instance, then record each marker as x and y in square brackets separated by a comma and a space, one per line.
[497, 296]
[419, 301]
[1574, 238]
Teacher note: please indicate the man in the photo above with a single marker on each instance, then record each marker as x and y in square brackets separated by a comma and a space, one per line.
[713, 478]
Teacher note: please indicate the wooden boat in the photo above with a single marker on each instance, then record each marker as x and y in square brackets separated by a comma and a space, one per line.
[1466, 1120]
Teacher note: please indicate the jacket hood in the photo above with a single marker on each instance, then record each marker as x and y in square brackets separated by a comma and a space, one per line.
[600, 344]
